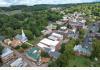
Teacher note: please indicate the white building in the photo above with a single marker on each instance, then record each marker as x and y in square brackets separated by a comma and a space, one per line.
[19, 63]
[59, 36]
[41, 45]
[53, 45]
[53, 38]
[63, 28]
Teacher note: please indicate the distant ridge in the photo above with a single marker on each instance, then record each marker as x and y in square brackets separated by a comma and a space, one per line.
[40, 6]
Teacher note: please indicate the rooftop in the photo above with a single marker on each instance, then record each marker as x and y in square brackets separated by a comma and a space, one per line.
[55, 54]
[34, 53]
[49, 42]
[6, 51]
[53, 38]
[57, 35]
[18, 63]
[42, 45]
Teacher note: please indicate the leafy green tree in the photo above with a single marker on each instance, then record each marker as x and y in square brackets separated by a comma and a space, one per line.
[1, 48]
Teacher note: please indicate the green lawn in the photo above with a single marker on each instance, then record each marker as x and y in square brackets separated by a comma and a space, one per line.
[78, 61]
[36, 40]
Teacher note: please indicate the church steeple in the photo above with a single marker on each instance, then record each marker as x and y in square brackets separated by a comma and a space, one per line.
[24, 38]
[23, 34]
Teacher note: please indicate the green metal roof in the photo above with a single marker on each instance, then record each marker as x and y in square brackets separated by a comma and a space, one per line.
[34, 53]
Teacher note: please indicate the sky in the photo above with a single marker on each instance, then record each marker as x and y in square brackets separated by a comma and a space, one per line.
[4, 3]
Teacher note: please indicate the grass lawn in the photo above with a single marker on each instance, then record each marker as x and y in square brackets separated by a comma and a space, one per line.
[36, 40]
[78, 61]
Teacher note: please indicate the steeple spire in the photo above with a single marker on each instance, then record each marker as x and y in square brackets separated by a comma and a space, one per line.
[24, 38]
[23, 34]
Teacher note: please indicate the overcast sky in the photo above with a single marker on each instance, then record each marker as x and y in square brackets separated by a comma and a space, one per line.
[33, 2]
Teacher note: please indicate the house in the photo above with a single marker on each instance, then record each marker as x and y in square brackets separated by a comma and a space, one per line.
[53, 54]
[59, 36]
[72, 34]
[19, 63]
[34, 55]
[15, 43]
[63, 28]
[53, 45]
[46, 32]
[94, 28]
[51, 26]
[21, 37]
[65, 18]
[85, 48]
[82, 50]
[60, 22]
[97, 35]
[7, 55]
[7, 41]
[77, 24]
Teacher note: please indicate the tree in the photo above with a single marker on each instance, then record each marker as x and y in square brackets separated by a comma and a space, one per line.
[96, 45]
[81, 34]
[1, 48]
[62, 48]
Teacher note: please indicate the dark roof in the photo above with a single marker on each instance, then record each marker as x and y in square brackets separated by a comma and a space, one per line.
[55, 54]
[52, 54]
[47, 50]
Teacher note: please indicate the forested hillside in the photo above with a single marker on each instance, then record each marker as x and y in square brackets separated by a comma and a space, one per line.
[16, 17]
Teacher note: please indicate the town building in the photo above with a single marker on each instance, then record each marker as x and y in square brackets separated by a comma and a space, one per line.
[63, 28]
[80, 50]
[34, 55]
[51, 26]
[53, 45]
[7, 41]
[15, 43]
[19, 63]
[46, 32]
[7, 55]
[60, 22]
[72, 33]
[59, 36]
[53, 54]
[85, 48]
